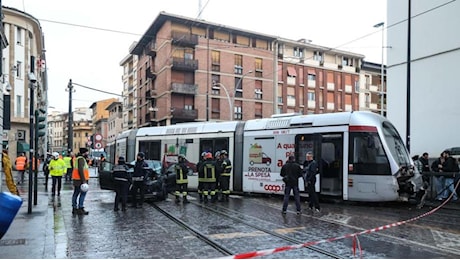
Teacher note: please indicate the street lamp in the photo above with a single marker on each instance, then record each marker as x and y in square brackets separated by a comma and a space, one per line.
[240, 81]
[215, 87]
[382, 24]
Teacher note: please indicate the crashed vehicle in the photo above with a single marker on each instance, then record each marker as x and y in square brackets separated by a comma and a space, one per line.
[158, 184]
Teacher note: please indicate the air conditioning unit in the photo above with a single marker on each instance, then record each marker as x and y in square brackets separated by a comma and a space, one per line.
[21, 135]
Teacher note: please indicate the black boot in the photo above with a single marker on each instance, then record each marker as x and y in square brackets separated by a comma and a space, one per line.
[74, 211]
[226, 197]
[201, 197]
[206, 199]
[82, 211]
[186, 200]
[177, 199]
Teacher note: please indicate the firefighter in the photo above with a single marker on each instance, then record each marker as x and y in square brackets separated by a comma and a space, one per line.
[200, 176]
[181, 179]
[208, 171]
[224, 178]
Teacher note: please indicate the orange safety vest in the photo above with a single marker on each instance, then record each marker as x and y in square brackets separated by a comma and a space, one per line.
[75, 173]
[21, 163]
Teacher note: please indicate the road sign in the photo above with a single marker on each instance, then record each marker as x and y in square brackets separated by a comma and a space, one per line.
[98, 145]
[89, 143]
[98, 137]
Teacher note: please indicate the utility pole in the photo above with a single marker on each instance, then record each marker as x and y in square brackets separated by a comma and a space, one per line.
[70, 123]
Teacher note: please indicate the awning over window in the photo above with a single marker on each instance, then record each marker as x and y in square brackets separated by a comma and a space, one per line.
[291, 72]
[23, 147]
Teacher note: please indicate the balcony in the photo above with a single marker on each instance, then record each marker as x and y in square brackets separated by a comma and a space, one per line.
[184, 39]
[184, 114]
[184, 64]
[149, 74]
[151, 49]
[181, 88]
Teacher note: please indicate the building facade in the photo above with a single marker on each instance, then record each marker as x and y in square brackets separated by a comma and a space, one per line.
[423, 89]
[100, 116]
[23, 55]
[129, 94]
[371, 91]
[115, 121]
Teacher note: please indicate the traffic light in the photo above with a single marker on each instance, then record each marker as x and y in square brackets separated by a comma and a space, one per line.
[91, 139]
[40, 123]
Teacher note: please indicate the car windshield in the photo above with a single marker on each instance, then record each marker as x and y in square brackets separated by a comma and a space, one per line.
[397, 148]
[153, 164]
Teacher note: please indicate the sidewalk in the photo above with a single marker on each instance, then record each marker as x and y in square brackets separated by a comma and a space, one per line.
[40, 234]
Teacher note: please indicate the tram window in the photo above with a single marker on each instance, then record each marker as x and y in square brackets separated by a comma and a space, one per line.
[367, 155]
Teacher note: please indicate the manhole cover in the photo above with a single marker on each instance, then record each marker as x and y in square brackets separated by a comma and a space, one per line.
[12, 242]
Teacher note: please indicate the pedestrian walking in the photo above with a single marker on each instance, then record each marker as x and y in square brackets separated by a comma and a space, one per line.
[57, 169]
[46, 170]
[224, 178]
[7, 169]
[141, 169]
[21, 166]
[310, 169]
[291, 172]
[80, 176]
[181, 179]
[121, 182]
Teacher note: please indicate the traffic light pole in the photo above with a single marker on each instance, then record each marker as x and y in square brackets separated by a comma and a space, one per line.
[34, 159]
[31, 144]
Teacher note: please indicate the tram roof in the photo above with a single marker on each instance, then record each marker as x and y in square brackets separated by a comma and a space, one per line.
[328, 119]
[189, 128]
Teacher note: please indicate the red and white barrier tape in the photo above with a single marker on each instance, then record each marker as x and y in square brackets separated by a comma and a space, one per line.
[354, 236]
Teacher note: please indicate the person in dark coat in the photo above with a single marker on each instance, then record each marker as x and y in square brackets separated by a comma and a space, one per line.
[291, 172]
[310, 169]
[141, 169]
[121, 180]
[181, 179]
[450, 166]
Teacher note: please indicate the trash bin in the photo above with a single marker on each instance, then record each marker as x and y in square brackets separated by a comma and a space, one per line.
[9, 207]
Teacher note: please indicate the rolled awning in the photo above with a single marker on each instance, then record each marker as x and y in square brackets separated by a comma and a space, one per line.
[291, 71]
[22, 147]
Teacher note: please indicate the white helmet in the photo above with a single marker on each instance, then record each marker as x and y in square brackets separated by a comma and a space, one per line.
[84, 187]
[56, 155]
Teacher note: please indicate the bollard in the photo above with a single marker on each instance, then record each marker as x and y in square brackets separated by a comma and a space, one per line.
[9, 207]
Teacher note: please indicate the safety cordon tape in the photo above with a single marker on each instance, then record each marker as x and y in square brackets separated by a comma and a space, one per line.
[354, 236]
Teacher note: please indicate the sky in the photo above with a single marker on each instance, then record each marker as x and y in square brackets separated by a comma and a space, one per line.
[85, 40]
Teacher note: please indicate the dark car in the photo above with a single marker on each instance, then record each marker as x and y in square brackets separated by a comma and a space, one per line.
[158, 184]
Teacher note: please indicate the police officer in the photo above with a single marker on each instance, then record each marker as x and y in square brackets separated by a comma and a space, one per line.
[224, 178]
[181, 179]
[121, 181]
[208, 171]
[199, 164]
[139, 178]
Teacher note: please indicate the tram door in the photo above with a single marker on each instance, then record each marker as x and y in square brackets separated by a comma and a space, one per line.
[327, 149]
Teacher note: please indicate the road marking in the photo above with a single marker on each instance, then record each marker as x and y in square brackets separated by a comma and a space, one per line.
[446, 240]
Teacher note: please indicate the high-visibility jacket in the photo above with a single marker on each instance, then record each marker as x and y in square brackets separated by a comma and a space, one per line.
[57, 167]
[68, 161]
[20, 163]
[181, 173]
[75, 173]
[227, 167]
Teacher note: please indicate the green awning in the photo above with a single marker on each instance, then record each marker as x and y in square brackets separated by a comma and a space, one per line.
[23, 147]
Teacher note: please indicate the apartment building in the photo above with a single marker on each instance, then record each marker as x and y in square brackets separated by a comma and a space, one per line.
[129, 94]
[371, 91]
[100, 116]
[115, 120]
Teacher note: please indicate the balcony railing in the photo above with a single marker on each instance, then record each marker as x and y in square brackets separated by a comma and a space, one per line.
[187, 114]
[184, 39]
[151, 49]
[184, 88]
[185, 64]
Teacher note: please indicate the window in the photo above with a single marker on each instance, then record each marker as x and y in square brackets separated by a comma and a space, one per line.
[318, 56]
[290, 96]
[188, 107]
[19, 70]
[258, 110]
[238, 87]
[258, 89]
[311, 77]
[238, 112]
[215, 61]
[239, 64]
[311, 96]
[347, 61]
[280, 94]
[367, 156]
[258, 67]
[19, 35]
[298, 52]
[18, 106]
[215, 84]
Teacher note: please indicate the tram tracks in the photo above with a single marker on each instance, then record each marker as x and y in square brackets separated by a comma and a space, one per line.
[237, 219]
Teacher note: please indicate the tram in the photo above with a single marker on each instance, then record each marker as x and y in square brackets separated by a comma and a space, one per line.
[360, 154]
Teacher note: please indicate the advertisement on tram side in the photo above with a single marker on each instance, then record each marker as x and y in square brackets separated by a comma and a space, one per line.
[264, 155]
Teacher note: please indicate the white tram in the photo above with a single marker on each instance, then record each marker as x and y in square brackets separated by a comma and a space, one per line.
[360, 154]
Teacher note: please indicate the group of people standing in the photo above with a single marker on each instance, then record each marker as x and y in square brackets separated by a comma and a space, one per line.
[444, 184]
[214, 177]
[291, 172]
